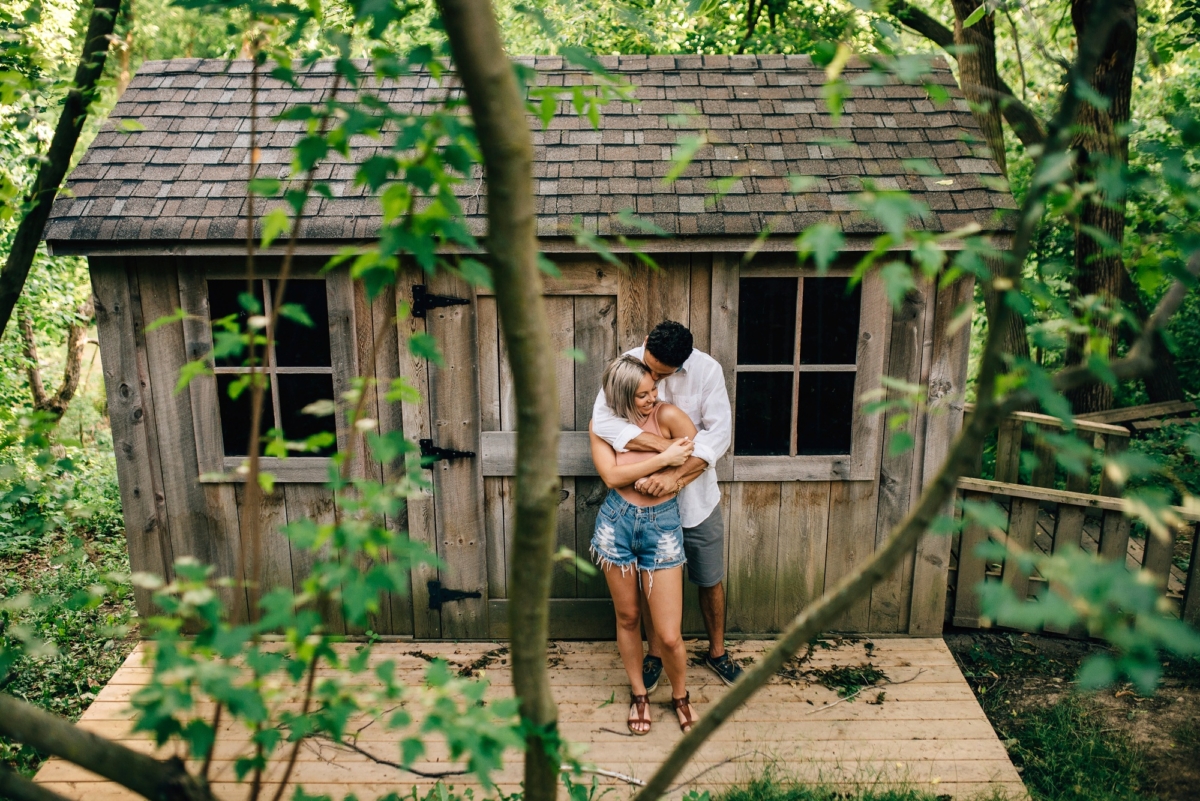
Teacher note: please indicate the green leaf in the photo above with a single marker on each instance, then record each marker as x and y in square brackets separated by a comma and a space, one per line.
[296, 313]
[267, 482]
[975, 16]
[1096, 672]
[174, 317]
[476, 272]
[685, 151]
[274, 223]
[575, 355]
[190, 371]
[900, 442]
[822, 242]
[424, 346]
[265, 187]
[130, 126]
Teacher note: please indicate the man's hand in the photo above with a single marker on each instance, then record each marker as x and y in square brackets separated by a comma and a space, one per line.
[660, 484]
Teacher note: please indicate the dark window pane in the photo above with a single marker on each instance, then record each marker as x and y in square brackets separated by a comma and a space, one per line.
[826, 409]
[829, 327]
[222, 302]
[298, 345]
[767, 321]
[296, 392]
[764, 414]
[235, 415]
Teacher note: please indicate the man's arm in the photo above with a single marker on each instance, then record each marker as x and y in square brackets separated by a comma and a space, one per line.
[616, 431]
[716, 419]
[672, 479]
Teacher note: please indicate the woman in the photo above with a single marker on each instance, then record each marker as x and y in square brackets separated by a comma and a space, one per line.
[638, 540]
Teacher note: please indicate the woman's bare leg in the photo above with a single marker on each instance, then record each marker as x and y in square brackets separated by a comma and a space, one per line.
[623, 586]
[665, 599]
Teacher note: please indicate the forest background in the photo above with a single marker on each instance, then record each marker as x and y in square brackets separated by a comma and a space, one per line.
[77, 540]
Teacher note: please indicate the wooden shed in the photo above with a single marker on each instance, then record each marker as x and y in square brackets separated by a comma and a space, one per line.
[808, 487]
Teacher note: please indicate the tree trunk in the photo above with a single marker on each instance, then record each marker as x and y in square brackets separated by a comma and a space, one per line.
[1099, 269]
[1024, 123]
[57, 403]
[498, 110]
[58, 158]
[977, 74]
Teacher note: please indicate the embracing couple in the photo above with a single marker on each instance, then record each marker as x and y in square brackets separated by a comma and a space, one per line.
[659, 425]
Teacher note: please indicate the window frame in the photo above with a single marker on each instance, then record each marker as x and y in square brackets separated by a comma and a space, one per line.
[214, 466]
[875, 318]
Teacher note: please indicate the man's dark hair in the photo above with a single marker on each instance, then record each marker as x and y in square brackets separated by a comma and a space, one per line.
[670, 342]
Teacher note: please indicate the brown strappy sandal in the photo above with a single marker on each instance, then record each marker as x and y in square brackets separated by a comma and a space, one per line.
[641, 705]
[684, 705]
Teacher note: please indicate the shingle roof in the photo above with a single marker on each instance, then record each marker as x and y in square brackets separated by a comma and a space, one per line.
[183, 177]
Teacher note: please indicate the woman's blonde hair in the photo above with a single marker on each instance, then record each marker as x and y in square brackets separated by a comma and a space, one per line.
[620, 382]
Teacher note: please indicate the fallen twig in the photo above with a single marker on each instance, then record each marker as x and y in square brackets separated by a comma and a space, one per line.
[612, 774]
[852, 695]
[381, 761]
[709, 769]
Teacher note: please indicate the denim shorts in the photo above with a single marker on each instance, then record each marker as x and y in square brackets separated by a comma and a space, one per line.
[649, 537]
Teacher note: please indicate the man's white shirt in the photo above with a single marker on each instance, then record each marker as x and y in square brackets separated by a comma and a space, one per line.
[699, 390]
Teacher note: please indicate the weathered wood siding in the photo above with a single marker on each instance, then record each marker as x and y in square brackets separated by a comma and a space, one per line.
[786, 540]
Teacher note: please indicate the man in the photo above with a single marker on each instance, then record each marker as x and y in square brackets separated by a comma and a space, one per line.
[694, 382]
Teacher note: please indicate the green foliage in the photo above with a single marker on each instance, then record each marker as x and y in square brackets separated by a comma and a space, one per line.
[776, 786]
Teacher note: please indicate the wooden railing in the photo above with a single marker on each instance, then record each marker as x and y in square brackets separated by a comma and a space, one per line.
[1044, 519]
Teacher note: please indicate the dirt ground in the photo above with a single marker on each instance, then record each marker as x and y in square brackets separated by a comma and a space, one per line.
[1013, 673]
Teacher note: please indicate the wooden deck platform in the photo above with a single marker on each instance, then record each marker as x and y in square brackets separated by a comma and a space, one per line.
[928, 731]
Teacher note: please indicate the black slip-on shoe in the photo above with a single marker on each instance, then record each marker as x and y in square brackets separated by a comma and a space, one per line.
[652, 669]
[728, 670]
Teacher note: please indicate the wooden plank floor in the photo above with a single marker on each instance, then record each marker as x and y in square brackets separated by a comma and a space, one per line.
[929, 731]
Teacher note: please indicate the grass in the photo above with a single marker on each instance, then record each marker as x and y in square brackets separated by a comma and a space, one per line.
[90, 643]
[770, 788]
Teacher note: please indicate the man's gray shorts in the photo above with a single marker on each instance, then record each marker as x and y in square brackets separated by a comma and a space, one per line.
[704, 546]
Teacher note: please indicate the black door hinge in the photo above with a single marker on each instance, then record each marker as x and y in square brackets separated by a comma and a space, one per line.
[423, 301]
[432, 453]
[439, 595]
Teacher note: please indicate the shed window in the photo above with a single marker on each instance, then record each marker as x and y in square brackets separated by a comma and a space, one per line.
[298, 364]
[796, 365]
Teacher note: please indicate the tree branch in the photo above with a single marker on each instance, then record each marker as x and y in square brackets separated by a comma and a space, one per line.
[904, 537]
[58, 157]
[18, 788]
[160, 780]
[1024, 122]
[57, 403]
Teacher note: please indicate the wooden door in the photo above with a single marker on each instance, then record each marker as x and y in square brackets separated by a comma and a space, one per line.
[449, 602]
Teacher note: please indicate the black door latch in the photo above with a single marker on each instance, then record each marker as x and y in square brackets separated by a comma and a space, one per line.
[439, 595]
[423, 301]
[432, 453]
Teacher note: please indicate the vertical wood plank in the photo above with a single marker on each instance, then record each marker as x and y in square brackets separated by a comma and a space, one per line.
[890, 598]
[391, 418]
[458, 483]
[668, 291]
[1113, 447]
[343, 349]
[943, 420]
[753, 557]
[1114, 536]
[803, 536]
[852, 511]
[1008, 450]
[723, 331]
[633, 312]
[364, 353]
[560, 314]
[1022, 522]
[494, 520]
[971, 568]
[145, 529]
[489, 363]
[183, 495]
[589, 494]
[427, 624]
[276, 549]
[1157, 558]
[1190, 611]
[701, 300]
[563, 581]
[313, 502]
[1068, 535]
[596, 337]
[874, 339]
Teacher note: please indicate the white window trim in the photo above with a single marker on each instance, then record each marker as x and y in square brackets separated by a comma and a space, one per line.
[214, 466]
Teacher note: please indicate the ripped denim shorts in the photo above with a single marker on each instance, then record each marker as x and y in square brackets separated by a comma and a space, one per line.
[648, 537]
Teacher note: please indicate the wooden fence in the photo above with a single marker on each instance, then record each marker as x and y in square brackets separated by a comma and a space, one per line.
[1087, 515]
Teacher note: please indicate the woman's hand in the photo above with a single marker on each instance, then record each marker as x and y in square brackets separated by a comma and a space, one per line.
[678, 452]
